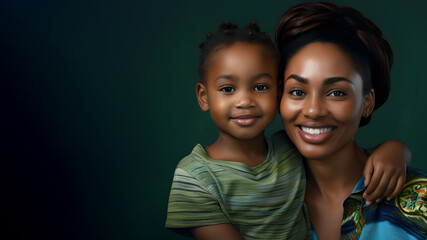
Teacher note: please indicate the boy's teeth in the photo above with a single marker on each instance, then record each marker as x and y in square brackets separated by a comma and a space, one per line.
[315, 131]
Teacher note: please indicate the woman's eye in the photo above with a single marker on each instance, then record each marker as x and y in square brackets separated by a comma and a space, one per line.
[261, 87]
[227, 89]
[297, 93]
[337, 94]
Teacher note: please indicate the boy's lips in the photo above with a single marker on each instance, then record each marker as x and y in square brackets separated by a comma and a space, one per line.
[314, 134]
[244, 120]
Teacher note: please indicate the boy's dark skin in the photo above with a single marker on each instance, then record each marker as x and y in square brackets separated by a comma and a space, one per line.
[240, 93]
[241, 82]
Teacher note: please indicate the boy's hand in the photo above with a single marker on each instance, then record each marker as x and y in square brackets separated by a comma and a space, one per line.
[385, 171]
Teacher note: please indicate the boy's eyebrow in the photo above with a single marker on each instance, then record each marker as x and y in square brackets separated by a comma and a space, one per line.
[227, 77]
[254, 78]
[261, 75]
[327, 81]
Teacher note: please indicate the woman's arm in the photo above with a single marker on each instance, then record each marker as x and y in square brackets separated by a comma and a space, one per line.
[216, 232]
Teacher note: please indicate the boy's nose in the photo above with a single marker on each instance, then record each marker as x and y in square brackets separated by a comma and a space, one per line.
[245, 100]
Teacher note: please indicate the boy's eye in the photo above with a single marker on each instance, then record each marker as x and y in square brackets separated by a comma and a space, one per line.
[297, 93]
[337, 94]
[227, 89]
[261, 87]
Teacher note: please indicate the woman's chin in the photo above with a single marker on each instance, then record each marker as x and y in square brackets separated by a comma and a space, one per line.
[314, 151]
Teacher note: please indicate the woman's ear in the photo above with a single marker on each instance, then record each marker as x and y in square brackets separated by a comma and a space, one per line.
[368, 104]
[202, 97]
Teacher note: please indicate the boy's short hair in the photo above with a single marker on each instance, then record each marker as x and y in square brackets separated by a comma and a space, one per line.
[229, 34]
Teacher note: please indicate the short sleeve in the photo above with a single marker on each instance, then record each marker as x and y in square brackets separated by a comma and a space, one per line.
[191, 204]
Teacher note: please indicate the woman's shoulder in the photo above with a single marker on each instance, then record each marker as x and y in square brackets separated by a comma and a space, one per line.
[412, 200]
[413, 174]
[411, 203]
[404, 217]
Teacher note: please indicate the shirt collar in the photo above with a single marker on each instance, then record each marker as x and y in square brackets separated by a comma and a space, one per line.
[360, 186]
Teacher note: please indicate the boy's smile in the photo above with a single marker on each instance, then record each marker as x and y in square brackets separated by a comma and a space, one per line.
[240, 90]
[245, 120]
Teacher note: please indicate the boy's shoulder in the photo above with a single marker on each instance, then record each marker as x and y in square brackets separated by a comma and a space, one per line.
[199, 165]
[197, 157]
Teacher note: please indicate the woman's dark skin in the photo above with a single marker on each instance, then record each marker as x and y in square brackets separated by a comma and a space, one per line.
[323, 92]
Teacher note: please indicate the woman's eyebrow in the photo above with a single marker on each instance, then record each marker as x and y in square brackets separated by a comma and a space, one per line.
[327, 81]
[298, 78]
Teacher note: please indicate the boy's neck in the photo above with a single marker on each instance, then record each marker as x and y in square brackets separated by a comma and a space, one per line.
[252, 152]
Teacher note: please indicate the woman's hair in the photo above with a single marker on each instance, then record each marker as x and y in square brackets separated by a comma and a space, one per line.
[229, 34]
[350, 31]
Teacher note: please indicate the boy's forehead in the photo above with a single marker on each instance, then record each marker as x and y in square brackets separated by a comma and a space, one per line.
[226, 59]
[244, 47]
[242, 53]
[229, 66]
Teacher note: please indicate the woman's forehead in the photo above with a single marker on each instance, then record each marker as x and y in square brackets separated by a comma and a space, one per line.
[320, 60]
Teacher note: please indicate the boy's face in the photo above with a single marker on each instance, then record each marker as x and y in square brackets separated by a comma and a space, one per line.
[240, 90]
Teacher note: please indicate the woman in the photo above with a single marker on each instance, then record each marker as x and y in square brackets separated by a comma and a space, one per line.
[336, 73]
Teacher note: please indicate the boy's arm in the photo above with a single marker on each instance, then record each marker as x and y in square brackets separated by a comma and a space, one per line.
[216, 232]
[385, 170]
[191, 205]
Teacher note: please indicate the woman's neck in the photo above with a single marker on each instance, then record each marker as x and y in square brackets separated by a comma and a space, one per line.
[335, 176]
[252, 152]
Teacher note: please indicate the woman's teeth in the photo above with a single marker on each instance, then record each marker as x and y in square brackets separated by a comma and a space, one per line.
[315, 131]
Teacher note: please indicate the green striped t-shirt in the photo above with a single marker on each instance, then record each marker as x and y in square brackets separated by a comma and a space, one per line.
[263, 202]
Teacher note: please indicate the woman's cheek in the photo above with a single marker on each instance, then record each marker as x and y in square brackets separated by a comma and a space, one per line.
[289, 108]
[347, 111]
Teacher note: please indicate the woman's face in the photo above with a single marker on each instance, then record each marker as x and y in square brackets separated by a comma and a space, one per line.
[323, 100]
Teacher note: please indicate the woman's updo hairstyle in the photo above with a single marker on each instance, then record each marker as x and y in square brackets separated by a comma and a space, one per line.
[348, 29]
[229, 34]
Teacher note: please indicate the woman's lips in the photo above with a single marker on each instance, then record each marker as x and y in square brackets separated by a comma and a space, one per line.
[315, 134]
[244, 120]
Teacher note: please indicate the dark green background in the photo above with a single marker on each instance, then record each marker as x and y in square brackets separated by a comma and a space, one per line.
[98, 105]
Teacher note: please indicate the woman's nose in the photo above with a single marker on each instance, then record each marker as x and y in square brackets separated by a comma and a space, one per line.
[314, 107]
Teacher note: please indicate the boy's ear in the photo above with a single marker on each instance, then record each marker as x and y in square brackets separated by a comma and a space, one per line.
[369, 104]
[202, 97]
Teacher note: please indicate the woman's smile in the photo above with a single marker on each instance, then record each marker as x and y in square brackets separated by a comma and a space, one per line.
[322, 101]
[315, 135]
